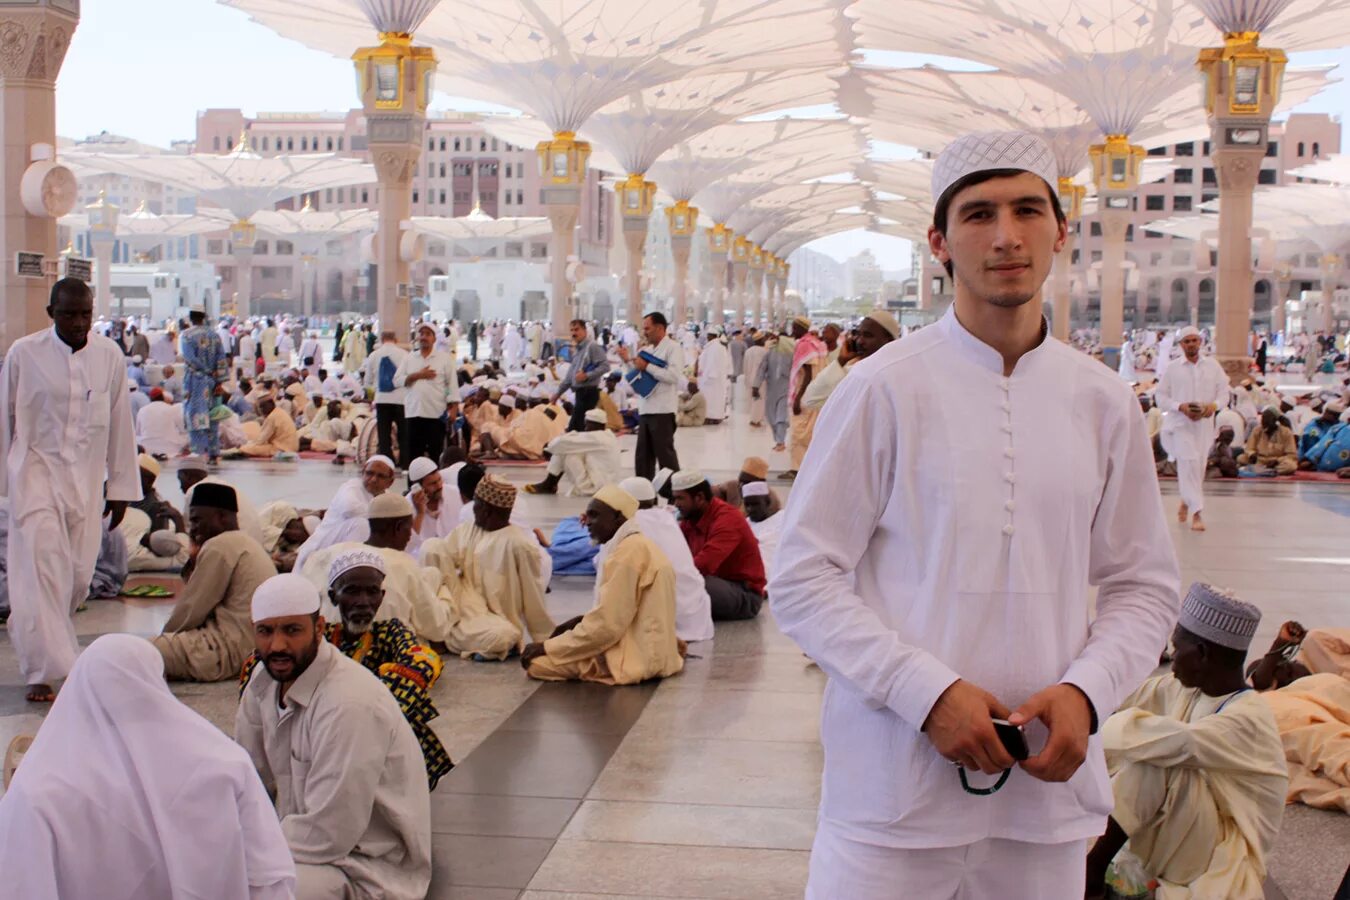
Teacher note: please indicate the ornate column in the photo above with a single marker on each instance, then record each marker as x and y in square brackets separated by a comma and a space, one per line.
[1333, 268]
[103, 218]
[682, 221]
[1242, 86]
[562, 164]
[1281, 275]
[1071, 201]
[720, 239]
[756, 276]
[740, 268]
[395, 85]
[309, 275]
[1115, 169]
[243, 237]
[636, 200]
[34, 37]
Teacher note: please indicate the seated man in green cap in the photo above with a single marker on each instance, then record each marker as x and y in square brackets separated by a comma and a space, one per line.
[209, 634]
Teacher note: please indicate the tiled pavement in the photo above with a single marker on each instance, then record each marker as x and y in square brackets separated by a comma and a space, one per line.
[705, 786]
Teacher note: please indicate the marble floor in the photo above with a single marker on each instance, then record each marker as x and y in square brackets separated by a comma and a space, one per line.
[705, 786]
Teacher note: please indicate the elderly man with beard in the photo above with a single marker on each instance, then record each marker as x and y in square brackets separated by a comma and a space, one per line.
[344, 518]
[629, 635]
[331, 742]
[388, 648]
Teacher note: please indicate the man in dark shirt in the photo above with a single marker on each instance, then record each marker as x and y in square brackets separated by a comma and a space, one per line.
[585, 375]
[725, 550]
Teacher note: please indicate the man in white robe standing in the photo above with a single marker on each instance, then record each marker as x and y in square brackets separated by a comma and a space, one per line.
[1164, 357]
[951, 589]
[1127, 359]
[1189, 395]
[714, 378]
[70, 459]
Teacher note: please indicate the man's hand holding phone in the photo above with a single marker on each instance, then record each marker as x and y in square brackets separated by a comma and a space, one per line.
[961, 727]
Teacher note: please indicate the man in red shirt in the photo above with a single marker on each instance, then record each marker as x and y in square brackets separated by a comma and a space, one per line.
[725, 550]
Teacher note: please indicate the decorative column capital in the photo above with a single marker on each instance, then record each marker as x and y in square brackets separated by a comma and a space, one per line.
[33, 43]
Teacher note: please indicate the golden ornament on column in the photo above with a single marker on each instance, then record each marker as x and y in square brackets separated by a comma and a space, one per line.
[1115, 170]
[1071, 198]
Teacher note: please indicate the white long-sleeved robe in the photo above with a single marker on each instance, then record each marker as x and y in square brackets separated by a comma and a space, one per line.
[977, 516]
[768, 533]
[1199, 786]
[693, 607]
[1202, 381]
[714, 378]
[350, 778]
[65, 429]
[160, 429]
[344, 520]
[586, 460]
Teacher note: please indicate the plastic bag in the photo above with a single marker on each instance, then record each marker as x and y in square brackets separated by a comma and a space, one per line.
[1126, 878]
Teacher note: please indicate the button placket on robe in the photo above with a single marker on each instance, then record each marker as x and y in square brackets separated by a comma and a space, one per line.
[1009, 453]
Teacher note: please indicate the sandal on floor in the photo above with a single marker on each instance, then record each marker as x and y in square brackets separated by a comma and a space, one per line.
[147, 591]
[14, 755]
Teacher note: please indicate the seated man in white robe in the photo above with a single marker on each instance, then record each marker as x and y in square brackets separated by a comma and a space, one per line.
[469, 476]
[433, 517]
[160, 430]
[693, 607]
[330, 740]
[629, 635]
[764, 521]
[155, 533]
[193, 470]
[412, 591]
[693, 410]
[1198, 771]
[120, 828]
[344, 520]
[490, 568]
[585, 459]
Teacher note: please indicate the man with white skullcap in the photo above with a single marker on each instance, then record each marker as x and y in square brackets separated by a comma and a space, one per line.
[207, 636]
[431, 393]
[993, 475]
[877, 329]
[344, 520]
[159, 427]
[693, 606]
[587, 459]
[387, 647]
[1331, 452]
[348, 774]
[765, 520]
[723, 546]
[528, 433]
[277, 435]
[1198, 768]
[629, 634]
[432, 516]
[1189, 394]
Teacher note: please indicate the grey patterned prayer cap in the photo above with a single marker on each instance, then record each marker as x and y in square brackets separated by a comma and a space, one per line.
[1217, 616]
[986, 150]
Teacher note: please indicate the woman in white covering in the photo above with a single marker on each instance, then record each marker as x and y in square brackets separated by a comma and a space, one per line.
[127, 794]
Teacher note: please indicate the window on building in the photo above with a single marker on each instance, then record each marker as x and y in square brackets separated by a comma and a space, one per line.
[290, 143]
[415, 196]
[365, 195]
[514, 250]
[285, 248]
[508, 170]
[216, 144]
[1265, 176]
[1186, 149]
[260, 248]
[1095, 229]
[339, 144]
[1096, 256]
[462, 196]
[1272, 148]
[342, 195]
[1207, 148]
[520, 198]
[457, 146]
[431, 144]
[328, 195]
[482, 145]
[489, 196]
[1154, 202]
[1129, 233]
[1157, 151]
[304, 143]
[442, 198]
[1300, 149]
[229, 145]
[1317, 150]
[1074, 259]
[538, 251]
[1181, 203]
[215, 247]
[507, 198]
[1206, 198]
[464, 170]
[431, 169]
[1183, 176]
[442, 170]
[1208, 175]
[329, 144]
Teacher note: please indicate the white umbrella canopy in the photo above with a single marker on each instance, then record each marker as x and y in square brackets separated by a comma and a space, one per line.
[142, 223]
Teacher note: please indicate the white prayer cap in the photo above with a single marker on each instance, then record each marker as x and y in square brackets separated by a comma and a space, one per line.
[987, 150]
[354, 559]
[311, 523]
[685, 479]
[390, 506]
[886, 321]
[380, 458]
[1219, 617]
[197, 308]
[195, 463]
[420, 468]
[1188, 331]
[617, 499]
[597, 416]
[755, 489]
[131, 384]
[507, 400]
[639, 487]
[285, 595]
[662, 476]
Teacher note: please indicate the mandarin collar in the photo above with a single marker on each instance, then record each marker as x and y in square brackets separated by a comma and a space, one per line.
[977, 351]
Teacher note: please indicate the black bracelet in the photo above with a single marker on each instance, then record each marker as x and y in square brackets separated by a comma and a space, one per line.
[982, 792]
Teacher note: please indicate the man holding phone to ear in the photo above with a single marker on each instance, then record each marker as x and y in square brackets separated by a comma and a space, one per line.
[952, 589]
[1191, 391]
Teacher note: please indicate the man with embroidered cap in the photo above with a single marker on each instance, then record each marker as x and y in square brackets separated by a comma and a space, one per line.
[629, 634]
[387, 647]
[1189, 394]
[1198, 768]
[490, 571]
[693, 606]
[723, 546]
[208, 635]
[952, 588]
[586, 459]
[348, 774]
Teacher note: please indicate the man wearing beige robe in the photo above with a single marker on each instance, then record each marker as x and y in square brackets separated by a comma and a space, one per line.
[530, 433]
[209, 634]
[278, 432]
[629, 635]
[491, 570]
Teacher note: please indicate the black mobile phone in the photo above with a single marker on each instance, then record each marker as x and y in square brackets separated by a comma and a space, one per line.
[1014, 741]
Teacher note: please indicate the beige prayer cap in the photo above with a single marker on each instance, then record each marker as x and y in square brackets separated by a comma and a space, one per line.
[886, 321]
[148, 463]
[617, 499]
[284, 595]
[756, 466]
[802, 321]
[496, 493]
[989, 150]
[390, 506]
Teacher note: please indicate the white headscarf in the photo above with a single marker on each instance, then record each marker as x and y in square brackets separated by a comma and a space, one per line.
[128, 792]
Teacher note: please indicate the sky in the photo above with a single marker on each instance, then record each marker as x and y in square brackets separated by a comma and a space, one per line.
[148, 83]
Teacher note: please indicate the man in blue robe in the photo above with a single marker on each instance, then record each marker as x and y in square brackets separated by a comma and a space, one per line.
[207, 368]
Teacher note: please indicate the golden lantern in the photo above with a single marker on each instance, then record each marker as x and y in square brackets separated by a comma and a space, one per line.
[395, 75]
[1071, 199]
[720, 239]
[637, 197]
[562, 161]
[682, 219]
[740, 250]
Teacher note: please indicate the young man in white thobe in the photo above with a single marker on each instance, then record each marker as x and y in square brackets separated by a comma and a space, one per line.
[69, 452]
[951, 590]
[350, 779]
[714, 375]
[1189, 394]
[587, 459]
